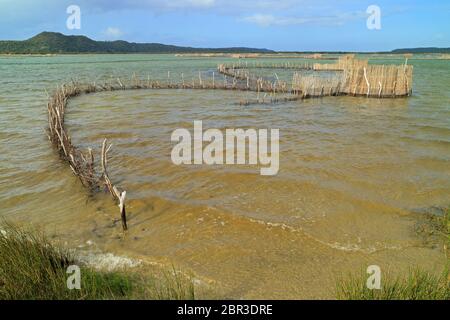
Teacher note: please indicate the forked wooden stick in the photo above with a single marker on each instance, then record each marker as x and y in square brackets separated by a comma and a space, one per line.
[118, 195]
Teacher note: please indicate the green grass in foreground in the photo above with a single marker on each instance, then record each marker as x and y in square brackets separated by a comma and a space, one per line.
[32, 268]
[416, 285]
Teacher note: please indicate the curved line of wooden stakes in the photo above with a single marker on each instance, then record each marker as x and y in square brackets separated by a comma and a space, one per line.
[82, 163]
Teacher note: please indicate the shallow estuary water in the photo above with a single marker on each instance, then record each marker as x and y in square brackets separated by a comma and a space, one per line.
[356, 175]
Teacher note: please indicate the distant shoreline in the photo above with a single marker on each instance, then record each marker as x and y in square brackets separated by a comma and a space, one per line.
[325, 56]
[48, 43]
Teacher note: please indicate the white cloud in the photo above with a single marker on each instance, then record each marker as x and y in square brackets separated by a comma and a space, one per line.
[266, 20]
[263, 20]
[229, 7]
[153, 5]
[190, 3]
[113, 33]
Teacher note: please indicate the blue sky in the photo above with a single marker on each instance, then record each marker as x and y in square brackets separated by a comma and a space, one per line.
[303, 25]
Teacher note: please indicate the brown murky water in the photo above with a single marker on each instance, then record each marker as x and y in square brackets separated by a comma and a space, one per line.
[356, 176]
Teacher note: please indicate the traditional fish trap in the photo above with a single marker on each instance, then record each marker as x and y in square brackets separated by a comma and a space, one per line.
[81, 164]
[314, 56]
[316, 85]
[265, 65]
[252, 82]
[349, 76]
[345, 62]
[356, 77]
[379, 81]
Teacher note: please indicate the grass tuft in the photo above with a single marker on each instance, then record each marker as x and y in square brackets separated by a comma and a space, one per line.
[416, 285]
[31, 268]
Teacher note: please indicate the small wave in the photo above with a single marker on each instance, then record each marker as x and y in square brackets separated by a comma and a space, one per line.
[107, 261]
[335, 245]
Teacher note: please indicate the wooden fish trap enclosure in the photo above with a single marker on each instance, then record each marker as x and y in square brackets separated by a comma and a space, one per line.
[96, 177]
[382, 81]
[356, 77]
[315, 85]
[344, 62]
[252, 82]
[349, 76]
[265, 65]
[81, 163]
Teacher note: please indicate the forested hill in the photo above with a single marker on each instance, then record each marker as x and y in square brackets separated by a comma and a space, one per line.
[422, 50]
[52, 42]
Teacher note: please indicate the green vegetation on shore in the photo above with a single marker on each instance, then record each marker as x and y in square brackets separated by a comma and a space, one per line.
[57, 43]
[422, 50]
[53, 42]
[31, 268]
[416, 285]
